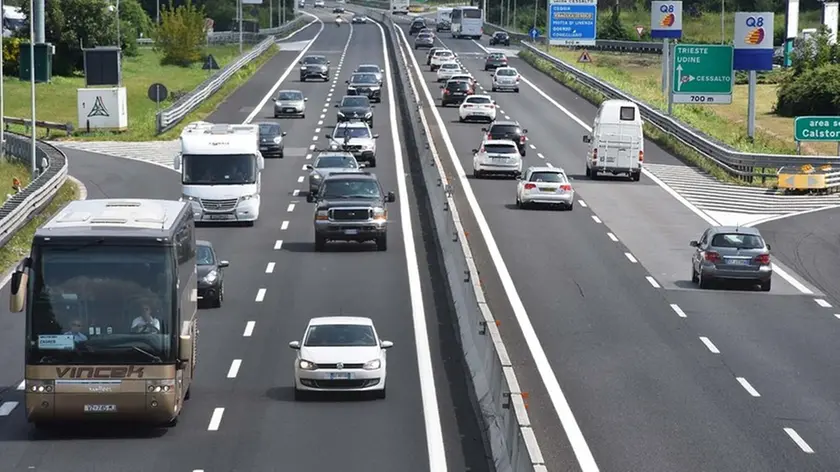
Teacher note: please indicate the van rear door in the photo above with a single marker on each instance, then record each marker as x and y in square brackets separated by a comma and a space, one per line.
[619, 146]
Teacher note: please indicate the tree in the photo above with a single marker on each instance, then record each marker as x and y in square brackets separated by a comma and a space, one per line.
[180, 35]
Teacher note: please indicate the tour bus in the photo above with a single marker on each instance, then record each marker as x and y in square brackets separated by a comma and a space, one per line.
[467, 22]
[109, 291]
[220, 168]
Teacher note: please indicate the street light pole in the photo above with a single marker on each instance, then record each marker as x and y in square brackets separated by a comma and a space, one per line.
[2, 97]
[536, 4]
[119, 39]
[32, 156]
[240, 26]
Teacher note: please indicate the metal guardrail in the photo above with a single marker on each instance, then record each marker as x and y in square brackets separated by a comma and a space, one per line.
[170, 116]
[17, 210]
[230, 37]
[745, 165]
[500, 402]
[48, 125]
[639, 47]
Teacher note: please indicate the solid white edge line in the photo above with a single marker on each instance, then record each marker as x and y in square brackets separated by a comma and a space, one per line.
[428, 392]
[749, 388]
[558, 399]
[234, 368]
[6, 408]
[694, 209]
[269, 268]
[216, 419]
[260, 295]
[799, 441]
[679, 311]
[288, 71]
[709, 345]
[249, 329]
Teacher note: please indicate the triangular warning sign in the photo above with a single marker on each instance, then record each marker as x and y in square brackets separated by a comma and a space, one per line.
[584, 57]
[640, 30]
[210, 63]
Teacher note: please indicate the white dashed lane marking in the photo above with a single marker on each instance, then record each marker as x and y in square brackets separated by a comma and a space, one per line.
[678, 310]
[749, 388]
[630, 257]
[709, 345]
[532, 146]
[296, 192]
[249, 329]
[822, 303]
[284, 226]
[216, 419]
[290, 208]
[234, 368]
[300, 179]
[582, 203]
[278, 245]
[613, 237]
[540, 155]
[21, 385]
[6, 408]
[269, 268]
[799, 441]
[260, 295]
[596, 219]
[652, 282]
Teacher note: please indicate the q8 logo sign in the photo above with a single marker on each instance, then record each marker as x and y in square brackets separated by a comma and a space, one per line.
[753, 41]
[666, 20]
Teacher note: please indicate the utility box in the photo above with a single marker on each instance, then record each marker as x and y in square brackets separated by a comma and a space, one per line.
[43, 62]
[103, 66]
[103, 108]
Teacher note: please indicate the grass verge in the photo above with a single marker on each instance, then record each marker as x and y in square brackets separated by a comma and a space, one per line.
[56, 101]
[665, 141]
[18, 247]
[9, 170]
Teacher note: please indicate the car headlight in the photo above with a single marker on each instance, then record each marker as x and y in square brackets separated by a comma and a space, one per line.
[188, 198]
[306, 365]
[368, 114]
[302, 67]
[373, 365]
[321, 215]
[368, 147]
[341, 114]
[211, 276]
[380, 213]
[351, 89]
[248, 197]
[278, 140]
[316, 176]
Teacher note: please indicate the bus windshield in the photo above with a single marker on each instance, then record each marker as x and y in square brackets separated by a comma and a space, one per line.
[98, 304]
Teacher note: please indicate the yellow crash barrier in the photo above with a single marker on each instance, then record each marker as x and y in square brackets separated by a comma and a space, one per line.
[803, 178]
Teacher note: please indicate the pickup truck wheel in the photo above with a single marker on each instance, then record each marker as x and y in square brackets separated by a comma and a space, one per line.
[320, 243]
[382, 243]
[372, 163]
[588, 172]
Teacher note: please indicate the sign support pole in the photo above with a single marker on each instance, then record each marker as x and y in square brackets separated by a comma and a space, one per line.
[665, 68]
[751, 105]
[670, 90]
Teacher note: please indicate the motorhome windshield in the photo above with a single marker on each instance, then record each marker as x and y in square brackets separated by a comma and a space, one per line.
[219, 169]
[99, 304]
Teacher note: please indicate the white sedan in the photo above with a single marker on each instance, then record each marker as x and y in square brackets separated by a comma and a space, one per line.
[497, 156]
[545, 186]
[447, 70]
[478, 107]
[340, 353]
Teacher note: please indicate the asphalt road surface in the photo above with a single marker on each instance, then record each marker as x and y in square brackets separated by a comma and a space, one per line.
[242, 415]
[597, 308]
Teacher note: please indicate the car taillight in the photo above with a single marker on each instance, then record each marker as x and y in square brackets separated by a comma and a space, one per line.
[566, 187]
[641, 156]
[522, 139]
[467, 106]
[530, 186]
[711, 256]
[446, 91]
[594, 154]
[762, 259]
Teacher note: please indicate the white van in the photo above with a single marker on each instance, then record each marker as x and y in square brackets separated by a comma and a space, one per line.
[443, 20]
[221, 167]
[617, 143]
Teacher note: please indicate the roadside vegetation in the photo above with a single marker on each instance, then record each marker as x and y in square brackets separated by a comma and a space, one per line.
[176, 60]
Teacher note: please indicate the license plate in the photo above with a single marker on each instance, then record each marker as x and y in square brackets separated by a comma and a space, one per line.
[737, 261]
[610, 159]
[289, 110]
[544, 189]
[351, 231]
[220, 217]
[100, 408]
[341, 376]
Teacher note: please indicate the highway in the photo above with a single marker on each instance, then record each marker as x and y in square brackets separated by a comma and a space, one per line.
[629, 366]
[241, 415]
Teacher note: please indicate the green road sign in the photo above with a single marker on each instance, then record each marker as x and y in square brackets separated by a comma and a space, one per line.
[816, 128]
[702, 73]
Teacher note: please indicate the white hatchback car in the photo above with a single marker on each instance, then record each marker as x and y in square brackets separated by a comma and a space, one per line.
[441, 56]
[340, 353]
[498, 156]
[506, 78]
[447, 70]
[546, 186]
[478, 107]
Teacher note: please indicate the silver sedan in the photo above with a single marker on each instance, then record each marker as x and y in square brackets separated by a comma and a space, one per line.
[731, 254]
[545, 185]
[290, 103]
[329, 163]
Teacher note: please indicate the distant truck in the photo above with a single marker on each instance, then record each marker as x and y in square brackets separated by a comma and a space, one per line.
[399, 7]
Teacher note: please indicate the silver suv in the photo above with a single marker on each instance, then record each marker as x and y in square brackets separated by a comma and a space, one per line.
[356, 138]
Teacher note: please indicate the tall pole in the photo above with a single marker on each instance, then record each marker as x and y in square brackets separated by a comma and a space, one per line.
[536, 4]
[157, 12]
[119, 39]
[2, 97]
[270, 14]
[32, 156]
[240, 26]
[722, 22]
[37, 9]
[280, 8]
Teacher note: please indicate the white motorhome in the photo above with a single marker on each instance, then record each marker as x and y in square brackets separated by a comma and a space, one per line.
[443, 19]
[399, 7]
[616, 145]
[220, 168]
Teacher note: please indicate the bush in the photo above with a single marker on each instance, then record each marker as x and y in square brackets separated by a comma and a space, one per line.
[11, 55]
[812, 92]
[614, 29]
[181, 35]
